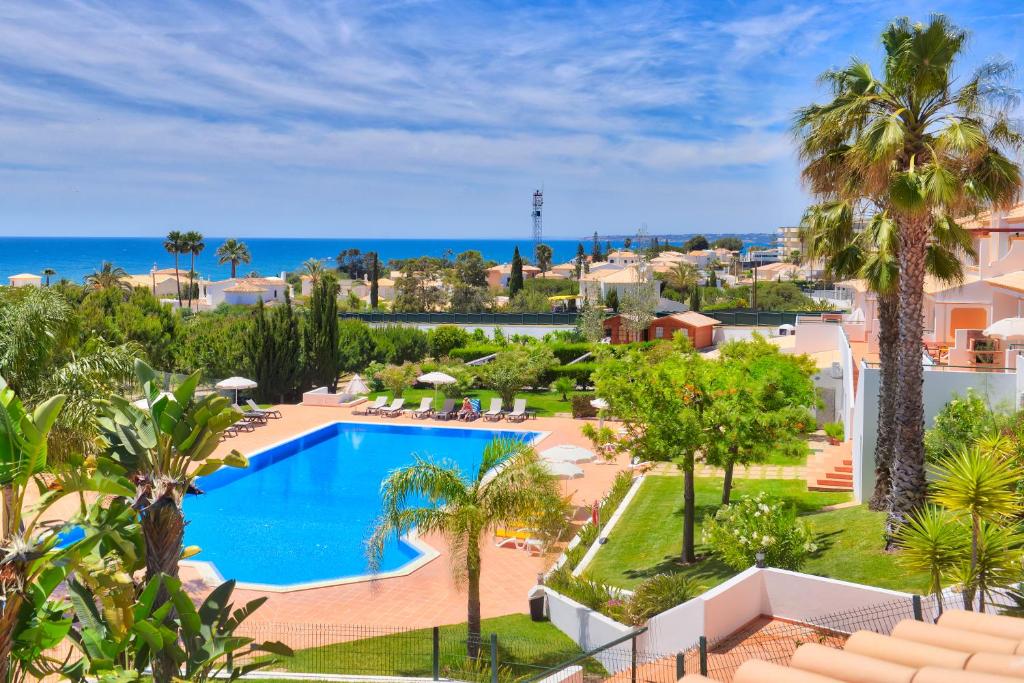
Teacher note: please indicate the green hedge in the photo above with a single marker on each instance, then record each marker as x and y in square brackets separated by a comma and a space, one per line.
[568, 352]
[579, 372]
[581, 405]
[468, 353]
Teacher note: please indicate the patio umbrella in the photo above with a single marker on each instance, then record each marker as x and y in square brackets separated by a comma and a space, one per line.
[1006, 328]
[562, 470]
[236, 384]
[601, 405]
[356, 386]
[567, 453]
[437, 379]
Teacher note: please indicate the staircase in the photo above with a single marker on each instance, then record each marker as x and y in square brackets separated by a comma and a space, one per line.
[830, 468]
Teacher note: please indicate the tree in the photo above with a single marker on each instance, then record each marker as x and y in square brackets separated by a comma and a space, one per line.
[516, 368]
[611, 300]
[760, 404]
[682, 277]
[175, 244]
[374, 276]
[274, 348]
[581, 258]
[164, 448]
[563, 385]
[352, 262]
[515, 278]
[194, 246]
[542, 253]
[695, 299]
[109, 276]
[398, 378]
[590, 322]
[595, 250]
[355, 345]
[233, 252]
[418, 289]
[695, 243]
[443, 338]
[465, 508]
[142, 318]
[930, 542]
[661, 395]
[48, 273]
[468, 282]
[639, 302]
[320, 339]
[928, 150]
[314, 269]
[730, 243]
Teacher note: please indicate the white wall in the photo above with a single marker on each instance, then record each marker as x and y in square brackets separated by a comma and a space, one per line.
[587, 628]
[537, 331]
[999, 389]
[801, 597]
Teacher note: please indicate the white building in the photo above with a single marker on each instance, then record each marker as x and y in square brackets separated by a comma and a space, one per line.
[245, 291]
[25, 280]
[623, 258]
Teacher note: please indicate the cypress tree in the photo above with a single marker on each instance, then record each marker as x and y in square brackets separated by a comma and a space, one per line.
[612, 300]
[259, 347]
[374, 275]
[273, 350]
[581, 256]
[515, 278]
[320, 340]
[695, 298]
[595, 251]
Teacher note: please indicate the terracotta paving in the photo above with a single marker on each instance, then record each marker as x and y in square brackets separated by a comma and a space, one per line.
[429, 595]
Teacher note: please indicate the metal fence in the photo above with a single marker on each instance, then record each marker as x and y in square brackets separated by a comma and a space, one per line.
[748, 317]
[463, 318]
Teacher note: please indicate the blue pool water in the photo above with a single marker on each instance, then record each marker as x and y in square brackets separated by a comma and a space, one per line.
[301, 511]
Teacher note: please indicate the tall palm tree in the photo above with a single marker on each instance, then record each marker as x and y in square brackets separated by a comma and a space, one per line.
[314, 268]
[175, 244]
[927, 150]
[233, 252]
[48, 273]
[682, 276]
[193, 246]
[464, 509]
[109, 276]
[543, 254]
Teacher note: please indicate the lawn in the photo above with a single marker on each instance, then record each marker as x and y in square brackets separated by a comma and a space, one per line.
[849, 539]
[524, 646]
[648, 538]
[546, 403]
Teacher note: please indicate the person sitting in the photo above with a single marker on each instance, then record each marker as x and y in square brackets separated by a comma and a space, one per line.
[466, 410]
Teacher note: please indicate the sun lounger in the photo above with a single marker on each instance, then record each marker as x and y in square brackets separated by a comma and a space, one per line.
[520, 539]
[250, 415]
[494, 414]
[269, 412]
[393, 410]
[447, 411]
[372, 408]
[518, 412]
[424, 410]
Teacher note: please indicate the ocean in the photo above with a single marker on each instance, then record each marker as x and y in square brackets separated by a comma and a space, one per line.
[75, 257]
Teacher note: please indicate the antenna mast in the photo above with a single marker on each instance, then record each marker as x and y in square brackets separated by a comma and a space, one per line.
[538, 222]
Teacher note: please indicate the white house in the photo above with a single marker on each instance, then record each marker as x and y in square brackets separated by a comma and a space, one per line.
[246, 291]
[25, 280]
[623, 258]
[598, 283]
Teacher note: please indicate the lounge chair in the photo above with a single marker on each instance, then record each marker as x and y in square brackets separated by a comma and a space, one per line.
[494, 414]
[425, 409]
[249, 415]
[372, 408]
[520, 538]
[447, 411]
[393, 410]
[269, 412]
[518, 412]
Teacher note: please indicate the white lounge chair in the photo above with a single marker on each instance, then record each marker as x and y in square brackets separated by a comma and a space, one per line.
[425, 410]
[518, 412]
[269, 412]
[494, 414]
[372, 408]
[392, 410]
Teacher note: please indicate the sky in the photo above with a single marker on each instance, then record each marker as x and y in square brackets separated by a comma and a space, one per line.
[424, 119]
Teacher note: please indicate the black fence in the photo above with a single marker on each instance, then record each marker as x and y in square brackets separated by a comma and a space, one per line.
[748, 317]
[499, 319]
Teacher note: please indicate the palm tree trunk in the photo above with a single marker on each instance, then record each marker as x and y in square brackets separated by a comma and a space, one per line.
[727, 484]
[234, 268]
[888, 337]
[163, 527]
[8, 617]
[908, 471]
[191, 270]
[177, 278]
[473, 601]
[689, 500]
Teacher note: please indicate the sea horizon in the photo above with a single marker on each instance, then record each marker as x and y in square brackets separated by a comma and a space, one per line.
[270, 255]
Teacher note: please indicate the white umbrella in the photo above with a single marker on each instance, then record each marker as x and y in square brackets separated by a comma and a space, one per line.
[436, 378]
[562, 470]
[1006, 328]
[601, 405]
[236, 384]
[356, 386]
[567, 453]
[143, 404]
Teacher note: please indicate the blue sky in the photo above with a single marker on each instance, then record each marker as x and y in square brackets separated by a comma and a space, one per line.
[422, 119]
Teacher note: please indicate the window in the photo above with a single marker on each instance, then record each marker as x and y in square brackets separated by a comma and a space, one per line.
[659, 332]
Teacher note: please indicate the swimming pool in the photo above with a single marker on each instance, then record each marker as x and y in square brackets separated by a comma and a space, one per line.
[302, 510]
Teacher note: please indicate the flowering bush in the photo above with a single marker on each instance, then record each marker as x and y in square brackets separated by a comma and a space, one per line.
[760, 524]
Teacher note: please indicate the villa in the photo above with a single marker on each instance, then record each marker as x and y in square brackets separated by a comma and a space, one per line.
[698, 328]
[25, 280]
[498, 276]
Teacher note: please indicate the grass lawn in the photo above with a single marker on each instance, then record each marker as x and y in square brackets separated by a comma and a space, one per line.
[546, 403]
[648, 539]
[524, 646]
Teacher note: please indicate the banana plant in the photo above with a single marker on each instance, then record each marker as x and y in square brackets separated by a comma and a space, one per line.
[33, 560]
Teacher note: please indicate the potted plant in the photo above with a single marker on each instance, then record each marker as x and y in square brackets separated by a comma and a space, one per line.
[835, 433]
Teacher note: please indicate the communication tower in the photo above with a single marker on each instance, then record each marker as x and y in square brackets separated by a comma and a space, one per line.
[538, 222]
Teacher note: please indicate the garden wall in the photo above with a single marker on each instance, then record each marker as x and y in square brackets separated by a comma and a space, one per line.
[588, 628]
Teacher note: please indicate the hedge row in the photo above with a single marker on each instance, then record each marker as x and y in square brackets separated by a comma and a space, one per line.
[579, 372]
[468, 353]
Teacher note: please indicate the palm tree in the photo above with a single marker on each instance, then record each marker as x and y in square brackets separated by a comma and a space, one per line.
[930, 542]
[464, 510]
[543, 254]
[109, 276]
[48, 273]
[926, 150]
[682, 276]
[193, 245]
[175, 244]
[233, 252]
[314, 268]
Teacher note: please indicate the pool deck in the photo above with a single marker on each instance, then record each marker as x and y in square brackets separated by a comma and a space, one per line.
[428, 596]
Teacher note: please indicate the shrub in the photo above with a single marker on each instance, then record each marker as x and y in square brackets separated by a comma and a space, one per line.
[581, 405]
[587, 592]
[568, 352]
[398, 378]
[958, 425]
[397, 344]
[443, 338]
[835, 430]
[659, 593]
[355, 344]
[580, 373]
[563, 385]
[370, 375]
[760, 524]
[468, 353]
[515, 369]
